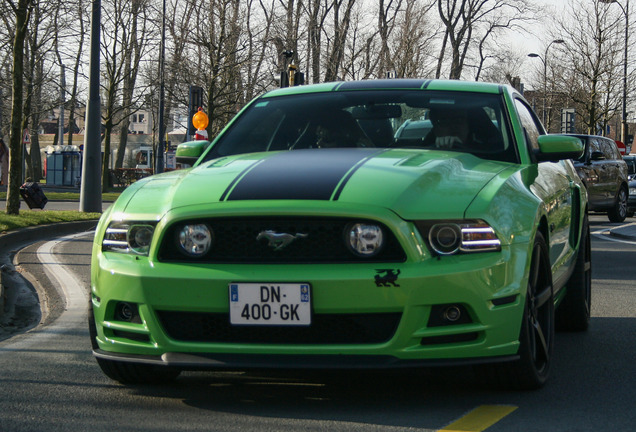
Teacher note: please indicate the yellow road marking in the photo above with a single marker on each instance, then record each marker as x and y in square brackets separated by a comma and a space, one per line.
[480, 418]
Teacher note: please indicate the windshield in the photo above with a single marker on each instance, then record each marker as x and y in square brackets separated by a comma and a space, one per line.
[466, 122]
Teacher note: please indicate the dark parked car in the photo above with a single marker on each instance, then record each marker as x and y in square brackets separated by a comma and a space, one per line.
[630, 160]
[631, 167]
[604, 173]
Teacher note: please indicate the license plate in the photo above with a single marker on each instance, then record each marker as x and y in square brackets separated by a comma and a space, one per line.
[286, 304]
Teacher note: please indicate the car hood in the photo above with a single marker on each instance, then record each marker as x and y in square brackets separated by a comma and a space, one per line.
[410, 182]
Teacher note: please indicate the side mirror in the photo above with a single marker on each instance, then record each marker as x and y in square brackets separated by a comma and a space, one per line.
[189, 152]
[597, 155]
[553, 148]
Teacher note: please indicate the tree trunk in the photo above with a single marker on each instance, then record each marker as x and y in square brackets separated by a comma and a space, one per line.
[34, 151]
[22, 13]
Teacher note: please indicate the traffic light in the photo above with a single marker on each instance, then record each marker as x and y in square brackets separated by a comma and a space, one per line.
[567, 120]
[291, 77]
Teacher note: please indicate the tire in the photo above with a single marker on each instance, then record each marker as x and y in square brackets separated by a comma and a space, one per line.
[536, 338]
[135, 373]
[573, 313]
[619, 212]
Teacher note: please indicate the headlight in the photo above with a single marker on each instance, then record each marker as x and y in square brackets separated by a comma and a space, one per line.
[445, 239]
[128, 237]
[364, 239]
[452, 237]
[195, 240]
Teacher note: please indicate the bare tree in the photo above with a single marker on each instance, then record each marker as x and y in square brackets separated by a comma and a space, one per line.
[317, 17]
[258, 33]
[387, 13]
[461, 20]
[593, 55]
[38, 81]
[122, 49]
[506, 64]
[132, 56]
[342, 10]
[405, 49]
[22, 12]
[515, 17]
[412, 44]
[70, 24]
[361, 57]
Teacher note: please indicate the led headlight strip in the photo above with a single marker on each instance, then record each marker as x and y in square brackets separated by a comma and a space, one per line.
[453, 237]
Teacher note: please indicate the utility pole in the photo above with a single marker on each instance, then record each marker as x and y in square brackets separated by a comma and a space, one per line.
[62, 91]
[159, 162]
[91, 188]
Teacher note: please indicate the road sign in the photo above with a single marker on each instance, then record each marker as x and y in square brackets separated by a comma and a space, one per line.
[26, 138]
[621, 147]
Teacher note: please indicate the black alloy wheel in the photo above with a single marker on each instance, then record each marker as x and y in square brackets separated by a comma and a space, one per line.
[619, 212]
[536, 338]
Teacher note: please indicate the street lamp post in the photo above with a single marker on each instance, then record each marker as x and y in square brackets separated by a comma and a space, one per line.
[544, 59]
[161, 145]
[624, 116]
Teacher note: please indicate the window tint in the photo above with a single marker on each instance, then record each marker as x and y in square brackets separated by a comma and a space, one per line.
[374, 118]
[529, 123]
[593, 146]
[609, 149]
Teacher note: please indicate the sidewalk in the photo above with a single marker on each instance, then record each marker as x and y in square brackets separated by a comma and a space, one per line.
[20, 293]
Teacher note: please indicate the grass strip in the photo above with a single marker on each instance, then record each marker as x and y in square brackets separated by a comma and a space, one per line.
[69, 196]
[28, 218]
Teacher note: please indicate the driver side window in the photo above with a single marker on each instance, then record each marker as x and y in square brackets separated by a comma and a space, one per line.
[530, 124]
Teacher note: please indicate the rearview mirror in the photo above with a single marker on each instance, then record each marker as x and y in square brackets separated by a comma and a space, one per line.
[375, 112]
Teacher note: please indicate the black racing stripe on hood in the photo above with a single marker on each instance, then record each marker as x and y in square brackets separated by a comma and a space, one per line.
[298, 174]
[236, 179]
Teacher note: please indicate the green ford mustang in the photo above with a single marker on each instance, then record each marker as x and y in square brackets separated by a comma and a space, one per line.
[371, 224]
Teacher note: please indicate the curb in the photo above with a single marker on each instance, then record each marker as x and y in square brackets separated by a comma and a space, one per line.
[12, 242]
[625, 232]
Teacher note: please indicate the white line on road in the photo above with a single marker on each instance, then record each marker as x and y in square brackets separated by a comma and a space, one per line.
[604, 234]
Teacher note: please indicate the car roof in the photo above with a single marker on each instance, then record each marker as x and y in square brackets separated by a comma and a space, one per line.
[591, 136]
[394, 84]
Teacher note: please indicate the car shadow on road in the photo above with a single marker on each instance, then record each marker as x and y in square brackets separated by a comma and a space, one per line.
[584, 375]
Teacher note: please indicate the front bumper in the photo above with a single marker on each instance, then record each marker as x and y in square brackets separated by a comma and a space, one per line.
[196, 361]
[486, 285]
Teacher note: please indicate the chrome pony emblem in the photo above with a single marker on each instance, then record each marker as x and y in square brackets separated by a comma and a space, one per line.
[279, 240]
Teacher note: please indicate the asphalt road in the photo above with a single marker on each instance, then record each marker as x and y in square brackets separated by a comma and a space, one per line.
[49, 380]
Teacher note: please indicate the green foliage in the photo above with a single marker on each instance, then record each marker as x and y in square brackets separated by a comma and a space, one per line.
[28, 218]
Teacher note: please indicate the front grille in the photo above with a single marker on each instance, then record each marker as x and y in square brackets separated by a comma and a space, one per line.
[235, 242]
[325, 329]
